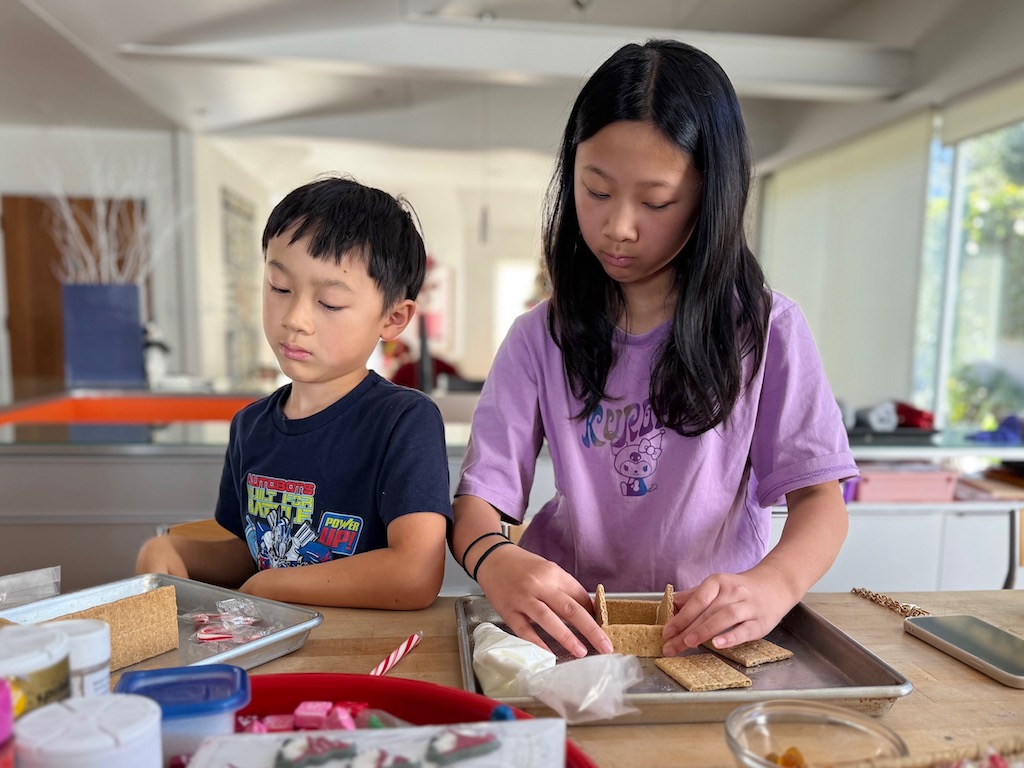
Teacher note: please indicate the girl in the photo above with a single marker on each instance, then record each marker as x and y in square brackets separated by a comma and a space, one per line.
[679, 398]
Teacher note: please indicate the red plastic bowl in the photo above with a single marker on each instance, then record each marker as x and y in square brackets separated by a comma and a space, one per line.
[415, 701]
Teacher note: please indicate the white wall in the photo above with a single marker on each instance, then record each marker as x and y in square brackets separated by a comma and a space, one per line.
[842, 235]
[215, 171]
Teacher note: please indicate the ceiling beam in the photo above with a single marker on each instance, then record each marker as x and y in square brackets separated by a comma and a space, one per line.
[513, 52]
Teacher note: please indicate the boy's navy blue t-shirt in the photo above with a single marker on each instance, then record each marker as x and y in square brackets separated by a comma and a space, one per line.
[312, 490]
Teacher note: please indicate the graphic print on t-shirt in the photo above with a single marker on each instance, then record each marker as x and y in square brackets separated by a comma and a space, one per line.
[636, 462]
[279, 522]
[633, 435]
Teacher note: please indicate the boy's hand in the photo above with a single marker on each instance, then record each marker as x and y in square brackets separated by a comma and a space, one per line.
[525, 589]
[728, 607]
[158, 555]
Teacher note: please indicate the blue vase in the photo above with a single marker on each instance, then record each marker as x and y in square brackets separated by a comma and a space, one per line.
[103, 337]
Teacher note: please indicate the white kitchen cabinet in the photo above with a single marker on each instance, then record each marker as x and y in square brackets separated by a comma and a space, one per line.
[966, 542]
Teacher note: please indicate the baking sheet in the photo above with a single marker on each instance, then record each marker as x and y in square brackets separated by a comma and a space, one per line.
[295, 621]
[827, 666]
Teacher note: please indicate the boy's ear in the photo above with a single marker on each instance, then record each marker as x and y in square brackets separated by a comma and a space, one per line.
[398, 317]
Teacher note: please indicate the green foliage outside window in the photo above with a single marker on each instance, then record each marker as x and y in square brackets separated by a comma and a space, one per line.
[987, 359]
[984, 380]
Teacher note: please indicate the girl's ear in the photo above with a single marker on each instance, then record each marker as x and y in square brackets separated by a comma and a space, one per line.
[398, 317]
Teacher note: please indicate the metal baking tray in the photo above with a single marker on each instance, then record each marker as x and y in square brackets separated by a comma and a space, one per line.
[827, 666]
[295, 622]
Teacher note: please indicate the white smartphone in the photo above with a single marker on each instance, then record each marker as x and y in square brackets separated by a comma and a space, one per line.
[986, 647]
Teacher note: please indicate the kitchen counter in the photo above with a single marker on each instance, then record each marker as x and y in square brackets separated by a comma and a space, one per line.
[952, 705]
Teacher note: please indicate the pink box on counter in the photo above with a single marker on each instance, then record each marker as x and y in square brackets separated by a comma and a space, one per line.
[905, 481]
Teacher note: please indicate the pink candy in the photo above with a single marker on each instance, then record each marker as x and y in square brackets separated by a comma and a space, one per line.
[311, 715]
[339, 718]
[308, 716]
[279, 723]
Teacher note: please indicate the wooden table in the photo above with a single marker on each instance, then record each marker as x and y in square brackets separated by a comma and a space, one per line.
[951, 706]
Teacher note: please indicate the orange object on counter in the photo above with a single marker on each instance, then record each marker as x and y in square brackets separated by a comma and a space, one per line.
[125, 408]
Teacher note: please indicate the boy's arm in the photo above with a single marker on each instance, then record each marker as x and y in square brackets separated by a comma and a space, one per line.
[226, 562]
[406, 575]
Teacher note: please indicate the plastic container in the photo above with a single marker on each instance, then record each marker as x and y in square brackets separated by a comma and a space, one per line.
[824, 734]
[6, 726]
[116, 731]
[34, 660]
[415, 701]
[196, 701]
[905, 482]
[88, 655]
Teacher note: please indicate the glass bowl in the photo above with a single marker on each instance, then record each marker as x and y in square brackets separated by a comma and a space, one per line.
[825, 735]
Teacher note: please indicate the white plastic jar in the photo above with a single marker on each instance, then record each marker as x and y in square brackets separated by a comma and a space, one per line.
[115, 731]
[34, 660]
[88, 655]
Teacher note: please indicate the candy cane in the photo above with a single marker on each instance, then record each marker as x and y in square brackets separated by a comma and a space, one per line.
[396, 655]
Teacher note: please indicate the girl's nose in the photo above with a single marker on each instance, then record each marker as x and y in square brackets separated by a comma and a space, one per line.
[620, 225]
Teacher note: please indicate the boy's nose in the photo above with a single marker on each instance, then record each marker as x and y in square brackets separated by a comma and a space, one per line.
[297, 318]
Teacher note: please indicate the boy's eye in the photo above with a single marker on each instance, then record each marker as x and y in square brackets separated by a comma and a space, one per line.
[329, 308]
[275, 289]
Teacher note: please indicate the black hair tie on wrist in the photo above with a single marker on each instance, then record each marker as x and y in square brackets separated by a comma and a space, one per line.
[483, 557]
[462, 560]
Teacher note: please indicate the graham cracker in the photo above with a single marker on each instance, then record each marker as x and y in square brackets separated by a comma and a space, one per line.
[702, 672]
[634, 626]
[141, 626]
[753, 653]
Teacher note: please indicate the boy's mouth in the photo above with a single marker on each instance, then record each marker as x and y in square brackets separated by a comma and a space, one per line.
[295, 353]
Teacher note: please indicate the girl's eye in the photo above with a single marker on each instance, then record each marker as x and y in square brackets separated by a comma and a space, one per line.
[654, 207]
[275, 289]
[598, 195]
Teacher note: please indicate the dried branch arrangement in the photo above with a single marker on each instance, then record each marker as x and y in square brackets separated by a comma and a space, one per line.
[111, 241]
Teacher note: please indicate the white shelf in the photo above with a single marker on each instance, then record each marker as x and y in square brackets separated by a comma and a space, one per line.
[949, 448]
[986, 506]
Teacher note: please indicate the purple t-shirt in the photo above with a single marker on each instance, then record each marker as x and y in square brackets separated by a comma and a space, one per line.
[639, 506]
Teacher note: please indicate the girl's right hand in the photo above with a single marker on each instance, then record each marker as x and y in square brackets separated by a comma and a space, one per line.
[527, 590]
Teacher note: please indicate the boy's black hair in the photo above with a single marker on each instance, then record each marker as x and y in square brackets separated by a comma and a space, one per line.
[343, 218]
[723, 303]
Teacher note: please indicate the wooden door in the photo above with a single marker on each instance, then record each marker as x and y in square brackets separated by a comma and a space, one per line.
[34, 316]
[35, 319]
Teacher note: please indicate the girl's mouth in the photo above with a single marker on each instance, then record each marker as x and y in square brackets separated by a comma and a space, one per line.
[617, 260]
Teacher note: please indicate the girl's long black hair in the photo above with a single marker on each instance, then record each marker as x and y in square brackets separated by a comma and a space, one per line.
[723, 303]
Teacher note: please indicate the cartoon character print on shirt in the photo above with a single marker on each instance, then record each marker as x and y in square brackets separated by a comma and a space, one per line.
[633, 435]
[637, 462]
[279, 524]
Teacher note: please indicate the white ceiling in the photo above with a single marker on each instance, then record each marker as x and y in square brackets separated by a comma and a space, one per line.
[457, 74]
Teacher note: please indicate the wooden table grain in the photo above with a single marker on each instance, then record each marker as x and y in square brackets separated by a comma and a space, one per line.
[951, 705]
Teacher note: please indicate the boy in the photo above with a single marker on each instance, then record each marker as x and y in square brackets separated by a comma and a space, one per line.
[340, 472]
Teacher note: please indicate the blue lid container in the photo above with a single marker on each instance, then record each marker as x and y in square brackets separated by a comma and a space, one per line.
[186, 692]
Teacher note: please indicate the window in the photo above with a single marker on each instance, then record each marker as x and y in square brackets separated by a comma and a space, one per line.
[969, 349]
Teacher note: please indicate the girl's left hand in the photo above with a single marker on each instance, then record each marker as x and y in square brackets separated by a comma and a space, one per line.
[730, 608]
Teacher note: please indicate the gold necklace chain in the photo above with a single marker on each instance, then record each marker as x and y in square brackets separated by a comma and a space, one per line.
[903, 609]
